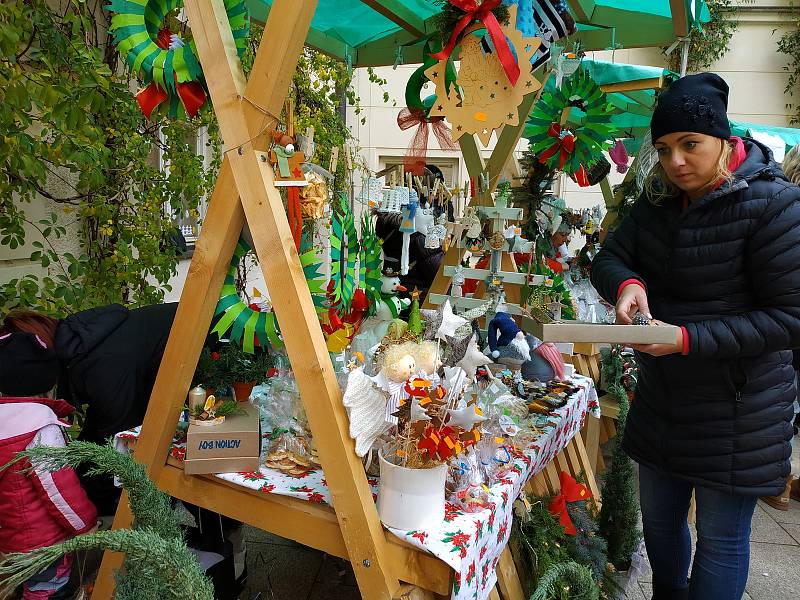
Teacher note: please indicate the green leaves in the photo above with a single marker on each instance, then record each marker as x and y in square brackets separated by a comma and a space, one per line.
[73, 138]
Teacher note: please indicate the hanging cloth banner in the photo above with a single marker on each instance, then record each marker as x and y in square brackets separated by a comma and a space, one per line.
[476, 11]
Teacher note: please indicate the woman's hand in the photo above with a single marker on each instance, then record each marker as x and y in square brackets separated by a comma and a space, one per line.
[633, 299]
[661, 349]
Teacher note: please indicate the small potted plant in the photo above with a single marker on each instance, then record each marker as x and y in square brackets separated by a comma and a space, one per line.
[209, 372]
[244, 371]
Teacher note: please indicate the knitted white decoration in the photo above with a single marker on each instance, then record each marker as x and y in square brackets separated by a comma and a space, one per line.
[366, 406]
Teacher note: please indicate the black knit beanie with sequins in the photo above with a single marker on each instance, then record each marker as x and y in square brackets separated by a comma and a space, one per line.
[697, 103]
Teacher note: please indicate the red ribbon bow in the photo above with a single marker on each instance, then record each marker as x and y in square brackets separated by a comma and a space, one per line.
[191, 94]
[571, 491]
[417, 152]
[483, 13]
[564, 144]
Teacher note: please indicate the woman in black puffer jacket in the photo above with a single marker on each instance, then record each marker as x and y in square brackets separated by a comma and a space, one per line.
[712, 246]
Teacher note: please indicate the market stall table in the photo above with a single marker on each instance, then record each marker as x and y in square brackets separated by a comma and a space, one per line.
[470, 543]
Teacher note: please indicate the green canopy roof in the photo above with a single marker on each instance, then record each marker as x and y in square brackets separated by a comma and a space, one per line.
[370, 31]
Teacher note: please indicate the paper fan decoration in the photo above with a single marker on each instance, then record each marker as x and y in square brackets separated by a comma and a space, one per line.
[370, 263]
[248, 326]
[166, 63]
[572, 148]
[344, 254]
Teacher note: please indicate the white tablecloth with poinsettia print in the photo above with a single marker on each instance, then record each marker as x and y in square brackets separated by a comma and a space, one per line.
[471, 543]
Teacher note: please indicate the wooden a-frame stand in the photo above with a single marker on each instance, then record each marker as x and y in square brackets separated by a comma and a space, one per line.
[385, 567]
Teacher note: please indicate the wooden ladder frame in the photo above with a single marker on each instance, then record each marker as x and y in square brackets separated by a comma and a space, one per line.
[385, 566]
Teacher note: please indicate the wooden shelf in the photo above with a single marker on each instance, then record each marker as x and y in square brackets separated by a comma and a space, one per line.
[609, 407]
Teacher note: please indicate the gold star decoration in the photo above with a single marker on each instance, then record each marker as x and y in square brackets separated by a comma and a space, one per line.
[483, 99]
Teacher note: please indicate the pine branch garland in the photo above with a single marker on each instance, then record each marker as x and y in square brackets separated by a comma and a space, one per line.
[570, 577]
[159, 568]
[619, 515]
[150, 506]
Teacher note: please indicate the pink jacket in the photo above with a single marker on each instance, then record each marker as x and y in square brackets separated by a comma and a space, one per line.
[37, 508]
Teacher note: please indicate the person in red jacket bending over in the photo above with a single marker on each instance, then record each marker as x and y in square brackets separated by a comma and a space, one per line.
[38, 508]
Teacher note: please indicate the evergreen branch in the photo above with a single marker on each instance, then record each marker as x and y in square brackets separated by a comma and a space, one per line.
[150, 505]
[155, 568]
[579, 578]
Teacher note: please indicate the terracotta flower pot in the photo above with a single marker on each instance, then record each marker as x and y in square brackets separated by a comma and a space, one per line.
[242, 389]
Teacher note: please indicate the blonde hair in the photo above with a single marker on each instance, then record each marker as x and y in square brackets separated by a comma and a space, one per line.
[658, 187]
[791, 165]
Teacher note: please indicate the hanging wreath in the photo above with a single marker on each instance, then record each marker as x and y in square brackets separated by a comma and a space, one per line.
[572, 148]
[248, 326]
[344, 254]
[166, 63]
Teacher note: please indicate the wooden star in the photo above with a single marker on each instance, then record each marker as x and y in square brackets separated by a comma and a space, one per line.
[415, 293]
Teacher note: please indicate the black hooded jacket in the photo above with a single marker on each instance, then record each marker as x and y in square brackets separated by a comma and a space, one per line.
[109, 360]
[728, 269]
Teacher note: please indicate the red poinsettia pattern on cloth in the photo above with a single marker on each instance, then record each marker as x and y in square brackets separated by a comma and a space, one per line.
[471, 543]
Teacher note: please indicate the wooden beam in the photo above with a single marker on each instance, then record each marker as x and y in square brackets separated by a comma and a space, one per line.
[327, 45]
[294, 308]
[653, 83]
[510, 136]
[508, 578]
[680, 20]
[398, 13]
[582, 10]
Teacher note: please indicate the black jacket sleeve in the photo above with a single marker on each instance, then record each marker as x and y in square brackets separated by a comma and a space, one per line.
[773, 261]
[616, 260]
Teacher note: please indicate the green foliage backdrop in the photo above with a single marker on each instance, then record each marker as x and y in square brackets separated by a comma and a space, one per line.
[72, 137]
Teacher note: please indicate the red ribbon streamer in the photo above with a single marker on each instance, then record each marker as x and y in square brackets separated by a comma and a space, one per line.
[571, 491]
[564, 145]
[417, 152]
[191, 94]
[295, 214]
[483, 13]
[581, 178]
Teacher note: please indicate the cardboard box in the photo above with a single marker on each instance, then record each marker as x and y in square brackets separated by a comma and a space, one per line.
[231, 446]
[595, 333]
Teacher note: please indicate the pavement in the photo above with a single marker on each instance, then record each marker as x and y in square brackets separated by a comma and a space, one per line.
[281, 569]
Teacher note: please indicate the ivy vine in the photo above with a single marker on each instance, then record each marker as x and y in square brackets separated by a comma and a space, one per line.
[789, 44]
[710, 41]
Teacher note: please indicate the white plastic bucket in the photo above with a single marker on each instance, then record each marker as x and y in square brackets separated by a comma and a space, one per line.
[411, 499]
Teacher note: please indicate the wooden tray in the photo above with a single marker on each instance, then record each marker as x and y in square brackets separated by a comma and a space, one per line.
[594, 333]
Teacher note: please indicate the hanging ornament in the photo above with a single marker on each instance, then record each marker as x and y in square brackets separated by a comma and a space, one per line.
[490, 85]
[571, 148]
[168, 65]
[344, 254]
[247, 324]
[370, 263]
[417, 114]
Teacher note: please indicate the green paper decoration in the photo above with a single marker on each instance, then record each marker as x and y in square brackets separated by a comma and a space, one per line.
[315, 278]
[591, 138]
[370, 263]
[135, 27]
[244, 325]
[344, 254]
